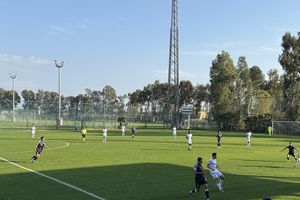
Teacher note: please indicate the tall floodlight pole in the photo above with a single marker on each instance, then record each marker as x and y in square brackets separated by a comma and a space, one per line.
[173, 73]
[13, 76]
[59, 66]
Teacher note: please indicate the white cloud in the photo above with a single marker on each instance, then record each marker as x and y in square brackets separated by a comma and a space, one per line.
[200, 53]
[182, 74]
[282, 29]
[60, 29]
[15, 59]
[71, 28]
[270, 49]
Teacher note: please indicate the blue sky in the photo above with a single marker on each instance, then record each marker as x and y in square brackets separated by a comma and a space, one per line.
[124, 43]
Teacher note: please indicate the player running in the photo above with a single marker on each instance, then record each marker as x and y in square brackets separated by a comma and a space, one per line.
[104, 134]
[215, 173]
[174, 132]
[123, 130]
[83, 134]
[33, 128]
[38, 149]
[199, 178]
[133, 131]
[189, 140]
[219, 137]
[291, 151]
[248, 139]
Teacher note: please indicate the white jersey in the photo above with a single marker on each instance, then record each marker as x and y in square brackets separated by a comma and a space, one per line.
[248, 136]
[214, 172]
[104, 132]
[189, 138]
[33, 130]
[212, 164]
[174, 130]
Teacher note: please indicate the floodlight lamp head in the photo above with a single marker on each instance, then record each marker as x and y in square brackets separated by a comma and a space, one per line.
[58, 65]
[13, 75]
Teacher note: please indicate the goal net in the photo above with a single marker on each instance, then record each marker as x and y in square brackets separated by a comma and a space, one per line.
[286, 127]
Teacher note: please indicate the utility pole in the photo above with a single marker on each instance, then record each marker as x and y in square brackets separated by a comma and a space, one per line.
[13, 76]
[59, 66]
[173, 72]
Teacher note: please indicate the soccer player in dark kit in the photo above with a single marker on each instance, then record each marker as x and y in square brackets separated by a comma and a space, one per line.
[219, 137]
[38, 149]
[291, 151]
[199, 179]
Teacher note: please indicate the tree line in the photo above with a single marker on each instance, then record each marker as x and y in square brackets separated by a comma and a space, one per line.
[236, 96]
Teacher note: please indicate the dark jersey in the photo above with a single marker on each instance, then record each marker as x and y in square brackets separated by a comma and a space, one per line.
[133, 130]
[40, 146]
[219, 136]
[199, 171]
[291, 149]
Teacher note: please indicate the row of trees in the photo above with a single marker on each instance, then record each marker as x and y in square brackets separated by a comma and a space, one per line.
[236, 94]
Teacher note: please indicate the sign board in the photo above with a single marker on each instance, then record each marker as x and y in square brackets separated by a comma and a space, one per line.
[187, 109]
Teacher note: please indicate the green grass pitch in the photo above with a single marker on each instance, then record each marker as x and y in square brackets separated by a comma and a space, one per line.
[153, 166]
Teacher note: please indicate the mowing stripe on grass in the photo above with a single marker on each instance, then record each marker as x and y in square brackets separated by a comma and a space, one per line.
[61, 147]
[54, 179]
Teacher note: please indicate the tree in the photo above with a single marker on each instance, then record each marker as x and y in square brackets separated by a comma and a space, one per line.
[290, 62]
[243, 87]
[262, 103]
[274, 86]
[201, 97]
[257, 77]
[223, 75]
[6, 98]
[186, 92]
[28, 100]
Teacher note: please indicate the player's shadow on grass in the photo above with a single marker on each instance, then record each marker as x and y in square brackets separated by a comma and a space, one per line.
[144, 181]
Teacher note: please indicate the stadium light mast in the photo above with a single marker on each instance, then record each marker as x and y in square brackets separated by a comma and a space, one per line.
[13, 76]
[59, 66]
[173, 72]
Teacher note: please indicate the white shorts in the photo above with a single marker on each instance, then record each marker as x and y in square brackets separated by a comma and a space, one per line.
[104, 136]
[216, 173]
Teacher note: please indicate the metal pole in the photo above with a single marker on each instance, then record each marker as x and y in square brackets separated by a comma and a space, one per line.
[59, 96]
[59, 66]
[13, 76]
[13, 111]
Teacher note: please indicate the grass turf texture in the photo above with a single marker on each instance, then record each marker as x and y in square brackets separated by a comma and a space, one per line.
[153, 166]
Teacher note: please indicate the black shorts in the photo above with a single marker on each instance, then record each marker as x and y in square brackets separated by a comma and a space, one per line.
[200, 181]
[291, 153]
[83, 135]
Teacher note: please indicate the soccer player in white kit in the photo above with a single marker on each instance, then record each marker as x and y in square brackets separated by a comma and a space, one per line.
[214, 171]
[104, 134]
[174, 132]
[189, 140]
[298, 160]
[123, 130]
[248, 139]
[33, 130]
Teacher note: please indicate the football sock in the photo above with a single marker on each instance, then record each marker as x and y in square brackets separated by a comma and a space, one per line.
[207, 193]
[221, 182]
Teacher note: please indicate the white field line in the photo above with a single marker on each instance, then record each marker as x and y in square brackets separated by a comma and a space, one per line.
[54, 179]
[61, 147]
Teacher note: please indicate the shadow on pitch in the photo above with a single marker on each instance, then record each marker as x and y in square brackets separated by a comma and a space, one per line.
[144, 181]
